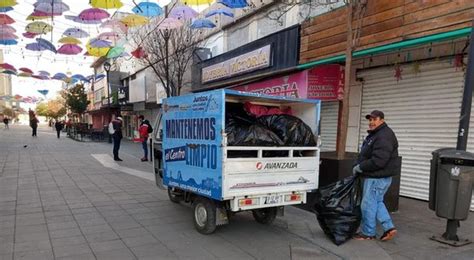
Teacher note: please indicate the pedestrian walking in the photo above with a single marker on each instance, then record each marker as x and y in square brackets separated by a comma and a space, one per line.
[59, 125]
[376, 164]
[117, 137]
[6, 120]
[34, 125]
[144, 130]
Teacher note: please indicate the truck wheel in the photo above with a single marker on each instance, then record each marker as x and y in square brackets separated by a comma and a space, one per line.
[204, 215]
[173, 195]
[265, 215]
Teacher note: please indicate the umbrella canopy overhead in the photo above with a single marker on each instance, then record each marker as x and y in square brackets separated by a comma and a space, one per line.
[6, 9]
[43, 72]
[70, 49]
[7, 36]
[133, 20]
[139, 53]
[170, 23]
[24, 74]
[221, 11]
[75, 32]
[6, 19]
[77, 19]
[79, 77]
[202, 23]
[96, 43]
[7, 3]
[114, 25]
[56, 7]
[9, 72]
[59, 76]
[93, 14]
[234, 3]
[34, 46]
[7, 29]
[69, 40]
[106, 4]
[8, 42]
[108, 36]
[197, 2]
[38, 28]
[46, 44]
[26, 70]
[96, 51]
[29, 35]
[7, 66]
[115, 52]
[147, 9]
[183, 12]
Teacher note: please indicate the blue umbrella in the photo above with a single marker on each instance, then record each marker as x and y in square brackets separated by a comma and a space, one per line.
[46, 44]
[147, 9]
[9, 72]
[220, 11]
[6, 9]
[75, 32]
[234, 3]
[43, 92]
[96, 43]
[202, 23]
[79, 77]
[8, 42]
[59, 76]
[99, 76]
[35, 47]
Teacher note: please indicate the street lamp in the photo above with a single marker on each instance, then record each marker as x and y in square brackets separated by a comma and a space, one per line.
[107, 69]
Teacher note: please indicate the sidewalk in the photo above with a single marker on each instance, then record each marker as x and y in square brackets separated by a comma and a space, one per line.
[57, 201]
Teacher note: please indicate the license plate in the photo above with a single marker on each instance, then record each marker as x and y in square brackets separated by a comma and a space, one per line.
[272, 199]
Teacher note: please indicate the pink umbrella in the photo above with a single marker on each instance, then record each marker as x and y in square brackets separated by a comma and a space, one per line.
[6, 19]
[170, 23]
[37, 13]
[93, 14]
[7, 29]
[114, 25]
[26, 70]
[51, 7]
[69, 49]
[108, 36]
[7, 36]
[183, 12]
[77, 19]
[7, 66]
[29, 35]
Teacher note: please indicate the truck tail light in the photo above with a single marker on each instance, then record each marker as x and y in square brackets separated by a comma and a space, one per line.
[248, 202]
[293, 197]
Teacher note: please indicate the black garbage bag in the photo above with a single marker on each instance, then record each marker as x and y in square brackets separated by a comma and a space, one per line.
[291, 130]
[241, 132]
[337, 209]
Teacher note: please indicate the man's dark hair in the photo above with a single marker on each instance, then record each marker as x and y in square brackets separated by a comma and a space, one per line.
[141, 117]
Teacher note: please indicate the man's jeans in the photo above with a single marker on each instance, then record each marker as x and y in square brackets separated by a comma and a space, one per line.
[145, 148]
[116, 148]
[373, 208]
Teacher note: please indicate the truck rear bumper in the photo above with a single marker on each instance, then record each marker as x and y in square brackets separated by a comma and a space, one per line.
[267, 200]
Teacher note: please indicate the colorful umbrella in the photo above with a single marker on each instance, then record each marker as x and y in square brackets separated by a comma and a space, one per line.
[6, 19]
[26, 70]
[147, 9]
[96, 51]
[51, 7]
[8, 42]
[24, 74]
[106, 4]
[234, 3]
[40, 77]
[70, 49]
[202, 23]
[93, 14]
[9, 72]
[183, 12]
[7, 66]
[197, 2]
[59, 76]
[7, 29]
[79, 77]
[96, 43]
[35, 47]
[220, 11]
[69, 40]
[170, 23]
[38, 28]
[46, 44]
[108, 36]
[76, 33]
[43, 73]
[43, 92]
[5, 9]
[79, 20]
[139, 53]
[114, 25]
[42, 15]
[29, 35]
[7, 36]
[7, 3]
[34, 16]
[99, 76]
[115, 52]
[133, 20]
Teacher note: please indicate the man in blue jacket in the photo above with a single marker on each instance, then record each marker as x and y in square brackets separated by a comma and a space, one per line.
[376, 164]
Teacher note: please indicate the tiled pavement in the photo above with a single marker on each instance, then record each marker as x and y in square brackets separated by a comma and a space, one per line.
[58, 202]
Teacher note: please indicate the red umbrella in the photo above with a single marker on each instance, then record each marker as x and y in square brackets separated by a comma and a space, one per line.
[7, 66]
[29, 35]
[139, 53]
[26, 70]
[93, 14]
[5, 19]
[69, 49]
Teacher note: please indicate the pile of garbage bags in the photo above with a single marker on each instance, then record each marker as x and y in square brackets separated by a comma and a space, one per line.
[338, 210]
[255, 125]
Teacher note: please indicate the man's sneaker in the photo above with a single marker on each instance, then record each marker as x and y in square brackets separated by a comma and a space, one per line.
[144, 159]
[360, 236]
[388, 235]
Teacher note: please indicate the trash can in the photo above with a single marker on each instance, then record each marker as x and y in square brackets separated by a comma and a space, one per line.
[451, 183]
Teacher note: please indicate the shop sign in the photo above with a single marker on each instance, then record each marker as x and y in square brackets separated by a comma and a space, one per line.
[248, 62]
[324, 83]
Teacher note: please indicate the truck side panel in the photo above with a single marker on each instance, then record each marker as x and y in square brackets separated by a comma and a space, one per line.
[192, 126]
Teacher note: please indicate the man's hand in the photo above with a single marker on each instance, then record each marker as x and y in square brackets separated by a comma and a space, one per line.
[356, 170]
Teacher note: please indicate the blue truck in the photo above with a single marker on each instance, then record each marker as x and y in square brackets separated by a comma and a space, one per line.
[194, 162]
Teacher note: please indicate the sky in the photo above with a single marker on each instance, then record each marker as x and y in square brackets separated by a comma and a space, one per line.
[18, 56]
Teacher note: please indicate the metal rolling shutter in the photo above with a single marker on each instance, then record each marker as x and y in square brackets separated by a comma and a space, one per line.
[329, 111]
[423, 111]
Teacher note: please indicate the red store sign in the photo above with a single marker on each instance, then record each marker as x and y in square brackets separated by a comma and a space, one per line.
[325, 82]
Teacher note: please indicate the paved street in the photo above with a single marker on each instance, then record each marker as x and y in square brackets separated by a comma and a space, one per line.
[63, 199]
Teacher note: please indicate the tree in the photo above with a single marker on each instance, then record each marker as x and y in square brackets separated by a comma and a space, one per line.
[51, 109]
[42, 109]
[76, 99]
[306, 8]
[168, 52]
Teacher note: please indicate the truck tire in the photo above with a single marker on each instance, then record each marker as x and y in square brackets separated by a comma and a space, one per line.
[173, 196]
[265, 215]
[204, 215]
